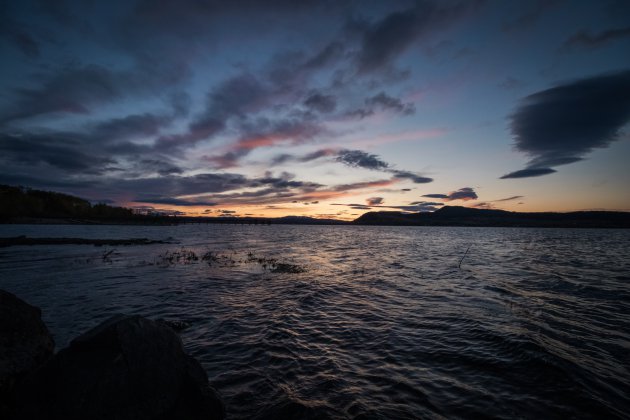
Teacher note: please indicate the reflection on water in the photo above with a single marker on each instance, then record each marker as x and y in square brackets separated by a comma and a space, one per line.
[381, 323]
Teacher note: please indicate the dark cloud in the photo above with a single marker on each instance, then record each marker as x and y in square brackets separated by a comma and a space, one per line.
[264, 132]
[173, 201]
[385, 39]
[382, 102]
[71, 90]
[317, 154]
[529, 173]
[363, 185]
[326, 56]
[235, 97]
[515, 197]
[386, 102]
[77, 89]
[484, 205]
[360, 159]
[160, 167]
[59, 151]
[415, 178]
[465, 194]
[490, 204]
[535, 9]
[435, 195]
[417, 206]
[129, 127]
[373, 201]
[584, 39]
[426, 203]
[321, 103]
[561, 125]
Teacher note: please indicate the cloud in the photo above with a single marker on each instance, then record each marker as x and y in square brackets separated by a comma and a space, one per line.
[160, 167]
[529, 173]
[416, 206]
[321, 103]
[373, 201]
[175, 202]
[426, 203]
[78, 89]
[384, 40]
[514, 197]
[435, 195]
[464, 194]
[262, 191]
[58, 151]
[129, 127]
[386, 102]
[364, 185]
[529, 17]
[587, 40]
[415, 178]
[360, 159]
[561, 125]
[267, 133]
[490, 204]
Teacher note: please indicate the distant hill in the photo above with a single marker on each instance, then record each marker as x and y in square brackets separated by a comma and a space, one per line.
[464, 216]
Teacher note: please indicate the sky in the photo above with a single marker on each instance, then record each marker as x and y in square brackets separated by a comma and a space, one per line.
[326, 109]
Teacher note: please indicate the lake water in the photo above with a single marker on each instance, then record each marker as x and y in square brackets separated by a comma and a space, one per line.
[382, 324]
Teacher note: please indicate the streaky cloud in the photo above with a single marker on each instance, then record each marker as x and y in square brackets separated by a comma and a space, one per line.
[589, 40]
[465, 194]
[360, 159]
[529, 173]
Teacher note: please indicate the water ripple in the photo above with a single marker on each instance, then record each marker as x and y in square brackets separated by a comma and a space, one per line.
[382, 324]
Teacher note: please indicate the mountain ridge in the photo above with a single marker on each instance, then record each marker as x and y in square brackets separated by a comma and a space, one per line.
[466, 216]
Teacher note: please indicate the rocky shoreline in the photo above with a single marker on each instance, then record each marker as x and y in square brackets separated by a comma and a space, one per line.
[128, 367]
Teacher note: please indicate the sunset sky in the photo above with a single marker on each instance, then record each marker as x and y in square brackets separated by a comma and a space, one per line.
[318, 108]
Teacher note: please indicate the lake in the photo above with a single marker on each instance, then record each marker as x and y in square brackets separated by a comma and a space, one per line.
[361, 321]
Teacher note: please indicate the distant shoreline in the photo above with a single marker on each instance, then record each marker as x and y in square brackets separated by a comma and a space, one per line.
[576, 220]
[20, 205]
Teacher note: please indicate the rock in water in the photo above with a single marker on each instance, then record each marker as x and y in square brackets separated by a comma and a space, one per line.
[129, 367]
[25, 342]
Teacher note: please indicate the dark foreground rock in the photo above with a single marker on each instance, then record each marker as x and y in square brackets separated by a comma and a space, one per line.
[25, 343]
[129, 367]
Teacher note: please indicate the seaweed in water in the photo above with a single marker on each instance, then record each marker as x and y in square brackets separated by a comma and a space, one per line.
[185, 256]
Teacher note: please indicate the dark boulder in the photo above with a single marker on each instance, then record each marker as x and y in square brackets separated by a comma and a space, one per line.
[129, 367]
[25, 343]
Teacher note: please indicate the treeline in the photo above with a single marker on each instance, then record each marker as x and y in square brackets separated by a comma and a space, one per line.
[19, 202]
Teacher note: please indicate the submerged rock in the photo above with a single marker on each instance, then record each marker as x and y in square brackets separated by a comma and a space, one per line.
[129, 367]
[25, 343]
